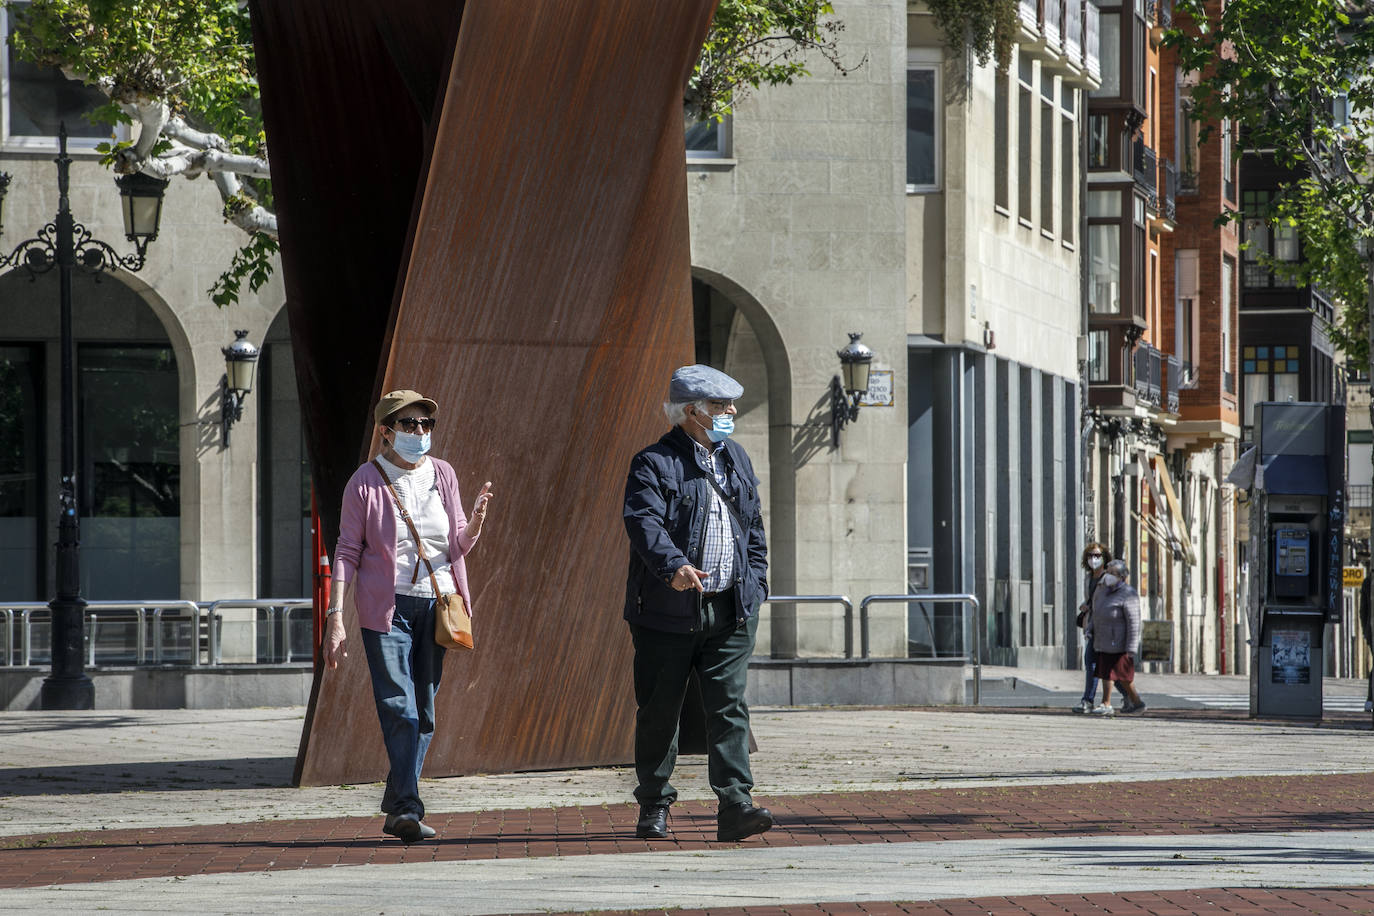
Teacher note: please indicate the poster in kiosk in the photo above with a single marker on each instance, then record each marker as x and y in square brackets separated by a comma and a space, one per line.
[1297, 519]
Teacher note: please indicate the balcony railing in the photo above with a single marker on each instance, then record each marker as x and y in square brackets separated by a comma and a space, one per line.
[1172, 380]
[1051, 21]
[1163, 13]
[1149, 366]
[1092, 60]
[1168, 189]
[1073, 30]
[1145, 168]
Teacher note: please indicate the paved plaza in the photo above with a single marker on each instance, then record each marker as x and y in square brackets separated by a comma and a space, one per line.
[1018, 807]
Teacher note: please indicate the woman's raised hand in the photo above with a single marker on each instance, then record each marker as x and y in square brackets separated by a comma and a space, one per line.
[479, 510]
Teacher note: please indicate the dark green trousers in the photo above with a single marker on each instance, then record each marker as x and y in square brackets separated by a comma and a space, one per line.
[719, 653]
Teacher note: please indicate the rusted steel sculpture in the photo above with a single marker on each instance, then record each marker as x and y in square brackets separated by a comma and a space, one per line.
[543, 299]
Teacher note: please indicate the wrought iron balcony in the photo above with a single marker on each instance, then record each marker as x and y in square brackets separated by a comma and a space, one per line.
[1145, 168]
[1149, 366]
[1172, 383]
[1164, 14]
[1168, 189]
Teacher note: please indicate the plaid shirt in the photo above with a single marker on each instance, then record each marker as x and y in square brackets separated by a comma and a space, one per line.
[718, 548]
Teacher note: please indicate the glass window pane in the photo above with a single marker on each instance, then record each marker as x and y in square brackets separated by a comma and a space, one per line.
[1286, 387]
[1249, 353]
[130, 471]
[1104, 204]
[920, 128]
[709, 139]
[1099, 369]
[1286, 242]
[1104, 252]
[1109, 55]
[1262, 366]
[1256, 390]
[40, 98]
[1262, 352]
[1099, 144]
[1249, 366]
[1292, 365]
[21, 429]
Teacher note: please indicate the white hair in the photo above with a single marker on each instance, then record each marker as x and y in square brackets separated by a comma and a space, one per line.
[676, 411]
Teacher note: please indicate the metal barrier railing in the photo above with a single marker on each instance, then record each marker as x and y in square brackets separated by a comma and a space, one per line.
[842, 600]
[102, 614]
[970, 600]
[279, 617]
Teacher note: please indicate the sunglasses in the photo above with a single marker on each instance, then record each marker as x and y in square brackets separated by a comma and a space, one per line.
[410, 424]
[1094, 554]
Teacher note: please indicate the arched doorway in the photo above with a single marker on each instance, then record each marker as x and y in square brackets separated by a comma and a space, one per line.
[735, 334]
[127, 440]
[285, 560]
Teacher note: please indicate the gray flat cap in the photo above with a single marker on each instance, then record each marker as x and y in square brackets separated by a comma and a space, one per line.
[702, 383]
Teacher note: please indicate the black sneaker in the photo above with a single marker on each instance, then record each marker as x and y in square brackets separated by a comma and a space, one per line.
[1128, 707]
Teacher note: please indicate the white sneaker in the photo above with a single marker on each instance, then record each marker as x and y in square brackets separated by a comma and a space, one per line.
[1084, 706]
[1102, 709]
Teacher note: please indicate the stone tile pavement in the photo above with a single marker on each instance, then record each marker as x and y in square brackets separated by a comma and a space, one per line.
[880, 811]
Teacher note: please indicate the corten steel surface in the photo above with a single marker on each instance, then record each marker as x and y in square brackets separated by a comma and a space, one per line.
[349, 88]
[545, 301]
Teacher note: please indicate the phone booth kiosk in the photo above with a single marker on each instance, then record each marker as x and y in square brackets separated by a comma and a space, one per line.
[1296, 527]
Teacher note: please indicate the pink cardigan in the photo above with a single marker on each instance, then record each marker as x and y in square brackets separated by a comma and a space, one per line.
[366, 552]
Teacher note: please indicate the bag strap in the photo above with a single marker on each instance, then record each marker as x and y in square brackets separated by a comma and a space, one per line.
[729, 505]
[405, 516]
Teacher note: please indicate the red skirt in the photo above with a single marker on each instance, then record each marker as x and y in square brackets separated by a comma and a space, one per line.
[1115, 666]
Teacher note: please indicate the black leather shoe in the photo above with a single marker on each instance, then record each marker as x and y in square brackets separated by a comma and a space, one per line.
[737, 822]
[406, 828]
[653, 822]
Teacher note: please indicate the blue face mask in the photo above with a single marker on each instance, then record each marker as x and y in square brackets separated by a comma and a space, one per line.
[411, 446]
[722, 425]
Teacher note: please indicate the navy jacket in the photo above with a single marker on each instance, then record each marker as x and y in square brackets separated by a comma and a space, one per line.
[667, 496]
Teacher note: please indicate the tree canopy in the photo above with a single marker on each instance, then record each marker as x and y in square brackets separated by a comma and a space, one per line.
[184, 72]
[1297, 77]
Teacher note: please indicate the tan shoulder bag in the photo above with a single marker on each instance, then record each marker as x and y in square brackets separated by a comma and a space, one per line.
[452, 622]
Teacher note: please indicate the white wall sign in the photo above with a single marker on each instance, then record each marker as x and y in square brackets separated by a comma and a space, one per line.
[879, 392]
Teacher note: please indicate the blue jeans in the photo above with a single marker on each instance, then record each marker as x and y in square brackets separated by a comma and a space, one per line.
[406, 665]
[1089, 668]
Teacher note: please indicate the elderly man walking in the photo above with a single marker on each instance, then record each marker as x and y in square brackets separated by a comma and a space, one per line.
[698, 573]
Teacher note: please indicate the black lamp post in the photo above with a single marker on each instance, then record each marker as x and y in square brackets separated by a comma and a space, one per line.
[65, 244]
[855, 361]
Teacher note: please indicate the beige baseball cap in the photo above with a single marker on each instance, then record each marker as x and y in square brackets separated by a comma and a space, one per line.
[393, 401]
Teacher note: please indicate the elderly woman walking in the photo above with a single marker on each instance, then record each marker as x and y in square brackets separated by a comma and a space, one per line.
[403, 537]
[1096, 556]
[1116, 637]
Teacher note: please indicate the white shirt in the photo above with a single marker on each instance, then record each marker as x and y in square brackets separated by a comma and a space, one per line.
[420, 495]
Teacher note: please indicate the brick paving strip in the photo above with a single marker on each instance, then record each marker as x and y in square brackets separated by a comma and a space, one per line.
[1246, 901]
[1251, 804]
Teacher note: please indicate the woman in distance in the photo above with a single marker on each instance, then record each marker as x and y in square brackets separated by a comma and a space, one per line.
[1116, 636]
[1096, 556]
